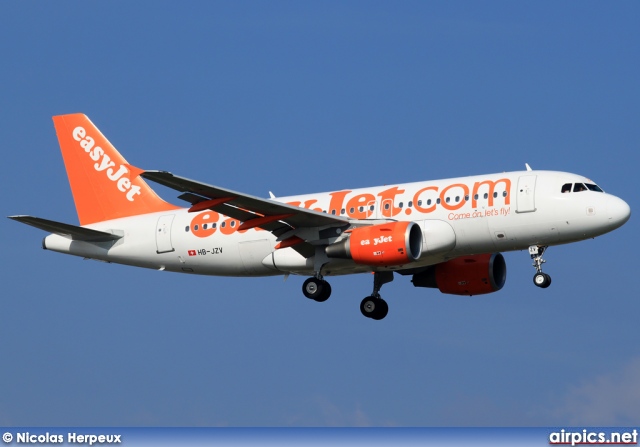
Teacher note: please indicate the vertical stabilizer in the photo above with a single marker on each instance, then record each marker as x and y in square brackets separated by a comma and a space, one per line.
[103, 184]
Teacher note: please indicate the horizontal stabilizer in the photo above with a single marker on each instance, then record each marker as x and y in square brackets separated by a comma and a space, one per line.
[66, 230]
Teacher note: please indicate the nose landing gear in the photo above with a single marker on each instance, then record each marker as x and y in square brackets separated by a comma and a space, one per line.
[540, 279]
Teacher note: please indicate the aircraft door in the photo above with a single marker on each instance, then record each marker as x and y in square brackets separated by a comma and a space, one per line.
[386, 208]
[525, 196]
[163, 234]
[372, 210]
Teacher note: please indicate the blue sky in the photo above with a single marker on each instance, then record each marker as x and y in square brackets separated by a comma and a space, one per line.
[297, 97]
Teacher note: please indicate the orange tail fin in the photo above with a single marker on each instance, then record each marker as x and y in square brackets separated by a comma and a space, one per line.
[103, 184]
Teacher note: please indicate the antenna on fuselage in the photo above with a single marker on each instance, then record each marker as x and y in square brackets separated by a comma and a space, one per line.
[528, 167]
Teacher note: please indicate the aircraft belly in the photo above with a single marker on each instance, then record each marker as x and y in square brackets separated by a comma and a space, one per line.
[520, 231]
[472, 236]
[224, 255]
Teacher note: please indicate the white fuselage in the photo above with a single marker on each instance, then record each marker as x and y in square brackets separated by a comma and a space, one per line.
[460, 216]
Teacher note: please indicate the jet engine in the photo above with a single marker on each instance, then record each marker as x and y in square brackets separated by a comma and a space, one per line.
[466, 275]
[387, 244]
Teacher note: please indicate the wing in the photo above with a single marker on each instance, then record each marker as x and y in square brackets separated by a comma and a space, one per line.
[276, 217]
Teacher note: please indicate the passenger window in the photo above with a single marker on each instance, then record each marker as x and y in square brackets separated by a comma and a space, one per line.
[438, 200]
[475, 197]
[457, 198]
[351, 210]
[428, 202]
[420, 202]
[371, 208]
[400, 205]
[204, 227]
[579, 187]
[504, 193]
[410, 204]
[342, 211]
[186, 229]
[495, 195]
[333, 212]
[386, 206]
[447, 200]
[566, 188]
[466, 198]
[486, 196]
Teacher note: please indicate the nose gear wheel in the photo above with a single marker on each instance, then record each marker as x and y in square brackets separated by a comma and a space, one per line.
[540, 279]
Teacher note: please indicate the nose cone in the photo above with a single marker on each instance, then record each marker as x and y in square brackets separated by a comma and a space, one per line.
[618, 212]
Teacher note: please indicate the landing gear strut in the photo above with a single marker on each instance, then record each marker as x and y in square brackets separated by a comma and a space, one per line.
[316, 288]
[374, 306]
[539, 279]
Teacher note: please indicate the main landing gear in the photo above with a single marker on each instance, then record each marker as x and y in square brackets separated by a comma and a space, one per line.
[539, 279]
[316, 288]
[373, 306]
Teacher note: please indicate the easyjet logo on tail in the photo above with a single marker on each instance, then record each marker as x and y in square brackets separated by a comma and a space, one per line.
[105, 164]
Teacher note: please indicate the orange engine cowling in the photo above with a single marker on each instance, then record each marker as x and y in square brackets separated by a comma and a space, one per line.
[466, 275]
[393, 243]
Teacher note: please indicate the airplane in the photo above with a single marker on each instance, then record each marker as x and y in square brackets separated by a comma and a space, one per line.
[445, 234]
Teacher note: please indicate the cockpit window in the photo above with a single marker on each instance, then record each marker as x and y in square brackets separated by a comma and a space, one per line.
[578, 187]
[566, 188]
[593, 187]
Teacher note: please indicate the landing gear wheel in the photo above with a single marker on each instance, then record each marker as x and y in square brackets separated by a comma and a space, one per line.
[374, 308]
[316, 289]
[311, 288]
[325, 293]
[383, 310]
[542, 280]
[368, 306]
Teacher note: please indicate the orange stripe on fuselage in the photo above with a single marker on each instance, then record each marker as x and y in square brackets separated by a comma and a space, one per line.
[425, 200]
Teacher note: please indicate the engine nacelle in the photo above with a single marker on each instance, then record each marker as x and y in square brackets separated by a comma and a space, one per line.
[466, 275]
[393, 243]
